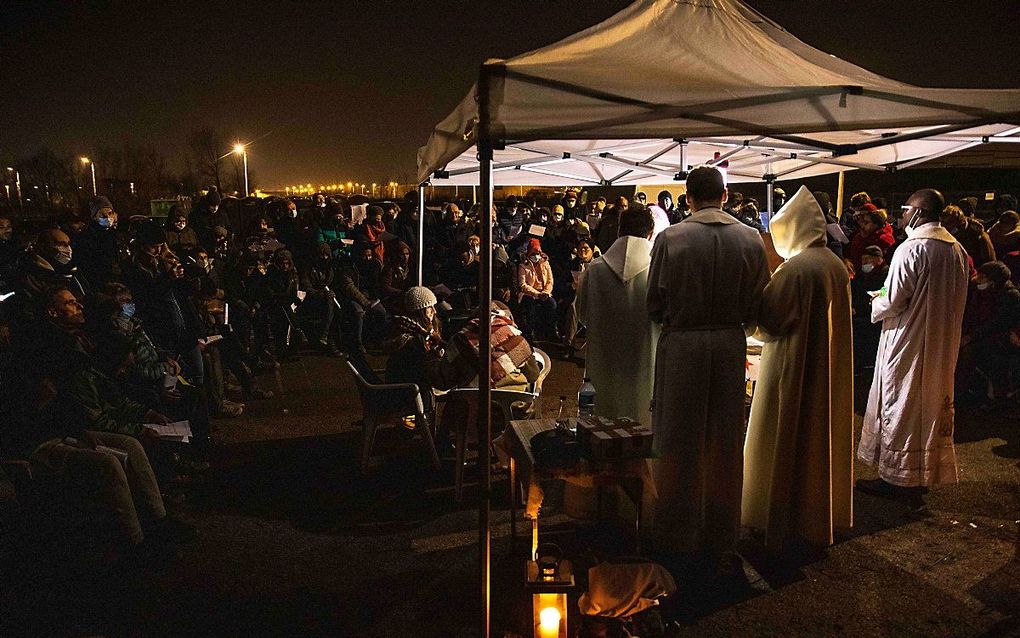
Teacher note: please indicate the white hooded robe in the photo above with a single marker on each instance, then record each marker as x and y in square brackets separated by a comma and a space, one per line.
[908, 425]
[798, 457]
[621, 336]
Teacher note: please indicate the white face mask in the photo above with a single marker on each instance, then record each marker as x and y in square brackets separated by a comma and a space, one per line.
[63, 255]
[558, 218]
[293, 213]
[476, 249]
[535, 258]
[213, 209]
[984, 286]
[866, 268]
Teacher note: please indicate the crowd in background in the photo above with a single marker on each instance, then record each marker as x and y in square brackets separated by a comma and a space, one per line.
[115, 323]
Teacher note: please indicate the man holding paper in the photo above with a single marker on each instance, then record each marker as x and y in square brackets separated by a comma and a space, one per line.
[908, 425]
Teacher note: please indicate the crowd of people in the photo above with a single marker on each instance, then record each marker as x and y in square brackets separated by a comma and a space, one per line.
[110, 325]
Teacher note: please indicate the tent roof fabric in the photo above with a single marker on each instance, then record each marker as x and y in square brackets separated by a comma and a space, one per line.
[702, 71]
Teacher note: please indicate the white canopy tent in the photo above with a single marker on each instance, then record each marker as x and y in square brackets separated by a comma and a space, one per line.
[665, 85]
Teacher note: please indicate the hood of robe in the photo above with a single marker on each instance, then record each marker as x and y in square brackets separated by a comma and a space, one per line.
[628, 257]
[798, 225]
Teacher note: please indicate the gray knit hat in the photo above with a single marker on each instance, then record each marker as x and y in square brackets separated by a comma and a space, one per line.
[98, 203]
[418, 298]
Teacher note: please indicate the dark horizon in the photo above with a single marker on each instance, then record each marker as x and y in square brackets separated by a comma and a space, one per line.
[334, 92]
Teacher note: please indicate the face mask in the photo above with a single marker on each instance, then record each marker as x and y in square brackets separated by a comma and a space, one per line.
[213, 209]
[105, 222]
[571, 203]
[985, 286]
[293, 212]
[63, 255]
[127, 309]
[181, 225]
[203, 264]
[476, 249]
[535, 258]
[558, 218]
[321, 204]
[866, 268]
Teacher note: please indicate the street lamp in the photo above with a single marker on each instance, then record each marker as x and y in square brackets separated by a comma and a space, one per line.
[87, 162]
[17, 184]
[242, 150]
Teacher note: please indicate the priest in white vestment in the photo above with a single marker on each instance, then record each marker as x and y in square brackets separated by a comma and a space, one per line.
[611, 304]
[798, 458]
[908, 425]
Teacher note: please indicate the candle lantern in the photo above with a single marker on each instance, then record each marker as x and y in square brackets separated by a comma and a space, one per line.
[550, 577]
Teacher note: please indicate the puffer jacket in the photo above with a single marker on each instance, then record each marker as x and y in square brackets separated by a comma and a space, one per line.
[534, 279]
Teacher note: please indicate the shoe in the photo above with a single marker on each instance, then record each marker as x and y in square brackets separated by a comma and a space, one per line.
[877, 487]
[255, 392]
[229, 409]
[170, 529]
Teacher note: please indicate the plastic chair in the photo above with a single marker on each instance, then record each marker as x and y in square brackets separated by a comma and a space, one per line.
[545, 365]
[382, 402]
[503, 402]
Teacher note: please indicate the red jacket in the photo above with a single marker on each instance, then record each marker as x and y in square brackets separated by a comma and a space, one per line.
[881, 237]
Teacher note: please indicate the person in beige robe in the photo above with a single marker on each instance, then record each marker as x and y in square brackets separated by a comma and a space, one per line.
[704, 285]
[798, 458]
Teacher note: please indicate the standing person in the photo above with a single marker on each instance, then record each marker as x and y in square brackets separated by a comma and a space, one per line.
[799, 455]
[96, 249]
[908, 425]
[611, 303]
[705, 284]
[970, 233]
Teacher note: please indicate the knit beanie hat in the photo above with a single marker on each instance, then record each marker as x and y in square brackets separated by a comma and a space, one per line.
[98, 203]
[534, 246]
[418, 298]
[150, 233]
[873, 251]
[212, 198]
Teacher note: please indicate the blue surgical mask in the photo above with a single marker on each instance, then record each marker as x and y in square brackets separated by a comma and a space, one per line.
[105, 222]
[127, 309]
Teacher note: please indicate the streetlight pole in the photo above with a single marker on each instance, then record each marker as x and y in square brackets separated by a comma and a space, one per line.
[242, 150]
[86, 161]
[17, 185]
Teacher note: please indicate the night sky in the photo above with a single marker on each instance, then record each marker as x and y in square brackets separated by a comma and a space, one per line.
[347, 91]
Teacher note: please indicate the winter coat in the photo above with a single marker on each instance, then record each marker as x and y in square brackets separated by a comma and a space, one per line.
[534, 279]
[881, 237]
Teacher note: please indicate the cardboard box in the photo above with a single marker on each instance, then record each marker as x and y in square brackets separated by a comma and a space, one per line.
[605, 439]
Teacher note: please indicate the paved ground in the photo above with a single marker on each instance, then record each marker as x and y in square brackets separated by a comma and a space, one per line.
[294, 541]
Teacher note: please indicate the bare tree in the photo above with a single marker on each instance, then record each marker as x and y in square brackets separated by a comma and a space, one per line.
[206, 148]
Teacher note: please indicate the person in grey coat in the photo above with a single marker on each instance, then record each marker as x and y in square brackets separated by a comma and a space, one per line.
[705, 286]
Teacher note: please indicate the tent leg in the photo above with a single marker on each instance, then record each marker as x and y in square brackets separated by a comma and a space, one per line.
[839, 194]
[767, 217]
[484, 387]
[421, 234]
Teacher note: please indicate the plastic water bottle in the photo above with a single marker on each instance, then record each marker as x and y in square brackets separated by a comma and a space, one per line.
[586, 399]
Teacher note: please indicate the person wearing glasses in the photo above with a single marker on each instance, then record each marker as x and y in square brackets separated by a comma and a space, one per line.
[908, 424]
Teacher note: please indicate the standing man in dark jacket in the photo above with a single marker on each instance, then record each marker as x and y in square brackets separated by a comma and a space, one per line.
[97, 247]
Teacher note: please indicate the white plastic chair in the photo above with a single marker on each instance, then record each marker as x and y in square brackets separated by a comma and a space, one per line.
[387, 402]
[503, 402]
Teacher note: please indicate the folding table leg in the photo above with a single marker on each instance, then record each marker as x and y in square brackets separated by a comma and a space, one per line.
[513, 501]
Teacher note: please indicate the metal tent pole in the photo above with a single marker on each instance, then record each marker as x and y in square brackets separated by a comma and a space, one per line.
[485, 351]
[421, 233]
[839, 194]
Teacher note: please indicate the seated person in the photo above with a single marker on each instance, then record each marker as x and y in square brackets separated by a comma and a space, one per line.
[990, 324]
[415, 343]
[368, 315]
[512, 367]
[535, 288]
[280, 294]
[180, 237]
[318, 309]
[396, 276]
